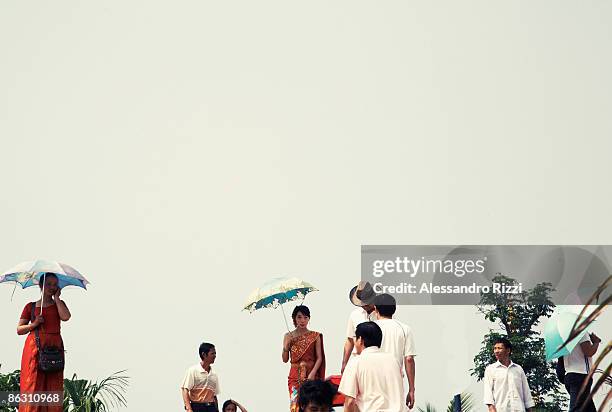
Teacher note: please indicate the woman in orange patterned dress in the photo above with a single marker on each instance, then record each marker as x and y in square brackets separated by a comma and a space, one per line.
[305, 350]
[54, 311]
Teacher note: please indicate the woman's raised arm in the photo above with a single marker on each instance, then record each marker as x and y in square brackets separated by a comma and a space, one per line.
[62, 309]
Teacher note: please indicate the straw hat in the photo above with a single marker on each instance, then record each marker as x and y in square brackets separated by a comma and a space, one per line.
[362, 294]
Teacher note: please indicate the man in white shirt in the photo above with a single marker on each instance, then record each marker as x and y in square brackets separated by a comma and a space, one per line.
[577, 366]
[505, 384]
[372, 381]
[200, 386]
[397, 340]
[363, 296]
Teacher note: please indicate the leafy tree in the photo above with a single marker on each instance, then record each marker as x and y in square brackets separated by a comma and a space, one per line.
[517, 315]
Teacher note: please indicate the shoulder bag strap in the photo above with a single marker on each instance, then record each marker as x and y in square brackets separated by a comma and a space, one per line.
[36, 329]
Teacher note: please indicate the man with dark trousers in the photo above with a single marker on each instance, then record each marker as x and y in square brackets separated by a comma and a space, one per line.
[577, 366]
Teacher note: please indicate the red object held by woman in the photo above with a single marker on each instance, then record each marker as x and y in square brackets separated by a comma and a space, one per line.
[338, 398]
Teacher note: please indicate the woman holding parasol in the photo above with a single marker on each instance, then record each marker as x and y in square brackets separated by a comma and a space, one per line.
[305, 350]
[42, 360]
[55, 311]
[303, 347]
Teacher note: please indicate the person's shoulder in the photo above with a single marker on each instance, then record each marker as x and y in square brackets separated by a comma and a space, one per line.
[357, 311]
[28, 306]
[399, 325]
[519, 367]
[491, 366]
[194, 368]
[402, 325]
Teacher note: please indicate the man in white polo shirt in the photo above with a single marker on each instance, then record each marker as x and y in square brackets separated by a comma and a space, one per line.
[505, 384]
[200, 386]
[577, 366]
[362, 296]
[397, 340]
[372, 381]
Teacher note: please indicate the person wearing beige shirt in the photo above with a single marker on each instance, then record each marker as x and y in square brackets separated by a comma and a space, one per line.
[372, 381]
[397, 340]
[200, 385]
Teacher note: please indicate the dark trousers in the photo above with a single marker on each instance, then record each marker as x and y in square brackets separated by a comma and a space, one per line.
[573, 382]
[204, 407]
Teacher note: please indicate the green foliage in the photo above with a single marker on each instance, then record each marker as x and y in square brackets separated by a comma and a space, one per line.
[9, 383]
[467, 404]
[81, 395]
[517, 315]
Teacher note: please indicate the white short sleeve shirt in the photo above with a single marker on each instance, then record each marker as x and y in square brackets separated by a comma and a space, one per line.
[397, 339]
[373, 378]
[507, 388]
[577, 361]
[202, 386]
[356, 317]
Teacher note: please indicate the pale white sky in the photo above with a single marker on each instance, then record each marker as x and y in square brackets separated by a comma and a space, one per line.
[181, 153]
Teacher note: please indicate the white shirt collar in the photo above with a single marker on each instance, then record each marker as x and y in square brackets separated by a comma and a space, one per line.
[370, 349]
[499, 364]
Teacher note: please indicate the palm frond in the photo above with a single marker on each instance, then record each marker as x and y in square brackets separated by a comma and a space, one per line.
[112, 389]
[608, 378]
[428, 408]
[597, 385]
[467, 403]
[85, 396]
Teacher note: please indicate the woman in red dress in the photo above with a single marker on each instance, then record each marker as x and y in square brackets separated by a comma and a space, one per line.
[307, 354]
[49, 311]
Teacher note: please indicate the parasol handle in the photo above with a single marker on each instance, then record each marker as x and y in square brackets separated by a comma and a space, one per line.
[285, 318]
[42, 294]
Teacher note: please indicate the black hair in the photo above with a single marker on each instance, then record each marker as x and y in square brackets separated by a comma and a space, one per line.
[504, 342]
[370, 332]
[205, 348]
[317, 392]
[45, 276]
[300, 309]
[227, 403]
[385, 305]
